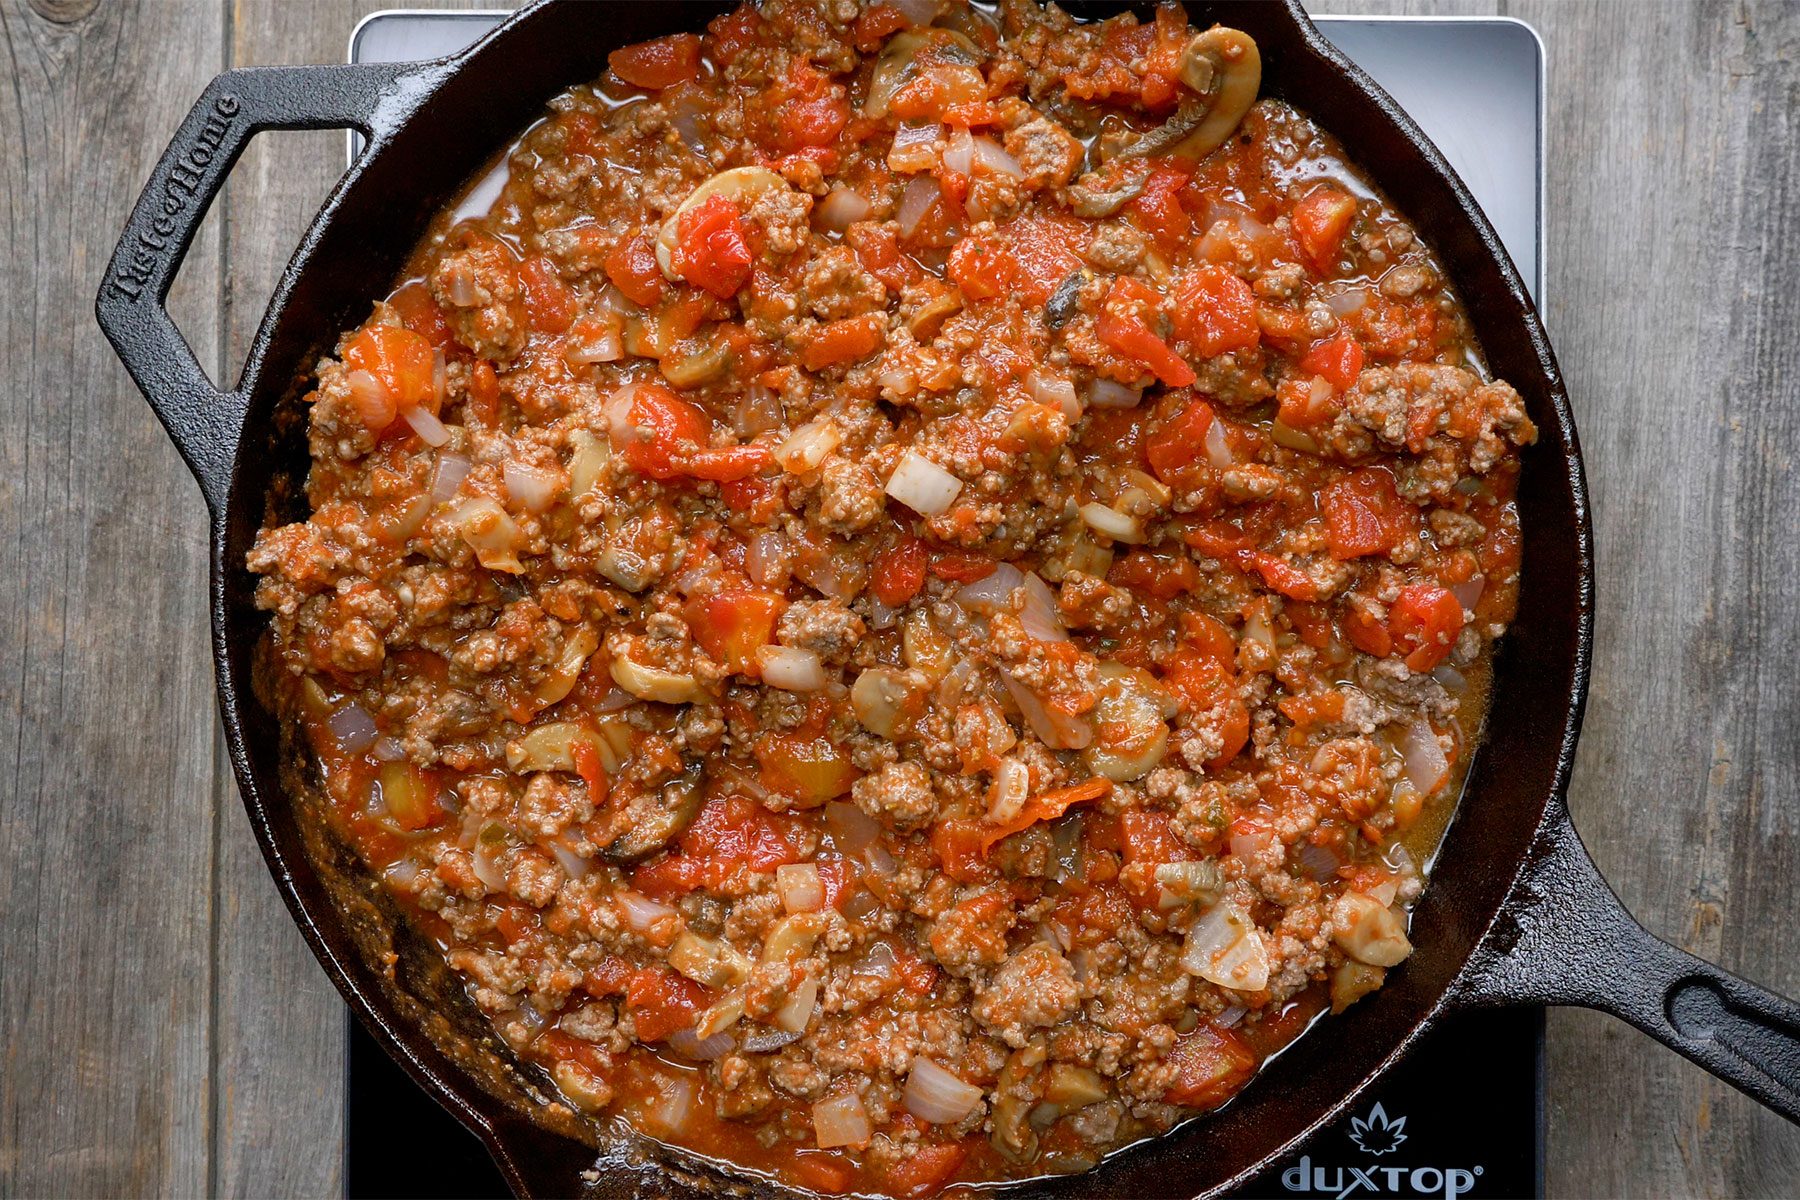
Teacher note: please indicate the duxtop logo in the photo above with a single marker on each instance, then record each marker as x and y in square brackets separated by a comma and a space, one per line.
[1377, 1134]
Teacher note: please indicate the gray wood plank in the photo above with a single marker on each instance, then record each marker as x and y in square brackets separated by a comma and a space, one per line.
[1674, 195]
[279, 1106]
[106, 708]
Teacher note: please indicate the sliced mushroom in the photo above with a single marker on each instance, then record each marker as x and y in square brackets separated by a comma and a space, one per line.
[658, 818]
[1108, 188]
[1130, 720]
[1065, 301]
[1224, 70]
[901, 60]
[740, 184]
[654, 683]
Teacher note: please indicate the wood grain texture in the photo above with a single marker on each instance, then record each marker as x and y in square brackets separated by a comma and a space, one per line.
[163, 1030]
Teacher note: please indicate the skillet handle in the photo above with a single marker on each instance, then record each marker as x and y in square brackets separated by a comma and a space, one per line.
[1564, 938]
[205, 422]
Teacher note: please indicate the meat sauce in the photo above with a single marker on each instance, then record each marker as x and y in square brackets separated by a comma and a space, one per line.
[906, 603]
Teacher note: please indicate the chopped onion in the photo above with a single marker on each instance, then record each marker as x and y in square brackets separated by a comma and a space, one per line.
[992, 592]
[689, 1045]
[1056, 730]
[440, 375]
[1225, 947]
[640, 913]
[915, 148]
[1348, 302]
[758, 412]
[598, 342]
[841, 1121]
[371, 397]
[994, 157]
[1012, 787]
[1453, 680]
[403, 875]
[922, 485]
[1113, 523]
[1426, 768]
[533, 487]
[675, 1108]
[842, 208]
[808, 445]
[1468, 592]
[573, 863]
[879, 962]
[852, 830]
[879, 860]
[462, 289]
[1108, 393]
[431, 431]
[915, 200]
[881, 616]
[801, 887]
[387, 749]
[1218, 449]
[1231, 1016]
[1318, 863]
[797, 1012]
[447, 475]
[936, 1096]
[616, 699]
[763, 1041]
[1038, 615]
[486, 866]
[353, 728]
[959, 155]
[791, 668]
[766, 559]
[1055, 391]
[1251, 844]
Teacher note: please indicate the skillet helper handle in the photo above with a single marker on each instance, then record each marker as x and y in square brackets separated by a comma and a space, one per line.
[203, 421]
[1570, 941]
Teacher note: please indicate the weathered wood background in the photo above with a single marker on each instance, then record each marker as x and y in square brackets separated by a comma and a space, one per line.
[163, 1030]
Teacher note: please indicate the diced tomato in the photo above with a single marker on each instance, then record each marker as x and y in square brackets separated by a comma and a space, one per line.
[977, 267]
[1047, 807]
[667, 439]
[878, 250]
[826, 1172]
[734, 33]
[1162, 574]
[843, 341]
[809, 771]
[659, 63]
[661, 1003]
[1043, 252]
[732, 626]
[1216, 311]
[1202, 676]
[1425, 620]
[483, 406]
[1365, 632]
[589, 767]
[1211, 1066]
[674, 427]
[1306, 401]
[900, 571]
[1122, 328]
[957, 842]
[1364, 514]
[834, 878]
[1339, 360]
[810, 109]
[874, 26]
[1149, 841]
[1208, 635]
[401, 360]
[926, 1171]
[1158, 207]
[420, 313]
[731, 835]
[1280, 574]
[961, 566]
[549, 304]
[1321, 220]
[610, 977]
[711, 251]
[1178, 441]
[632, 267]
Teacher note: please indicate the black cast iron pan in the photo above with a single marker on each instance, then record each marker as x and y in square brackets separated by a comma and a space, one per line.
[1516, 914]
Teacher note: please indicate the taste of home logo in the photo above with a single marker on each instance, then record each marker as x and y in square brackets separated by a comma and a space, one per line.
[1378, 1134]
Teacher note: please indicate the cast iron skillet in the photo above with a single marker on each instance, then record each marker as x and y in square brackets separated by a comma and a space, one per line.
[1517, 913]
